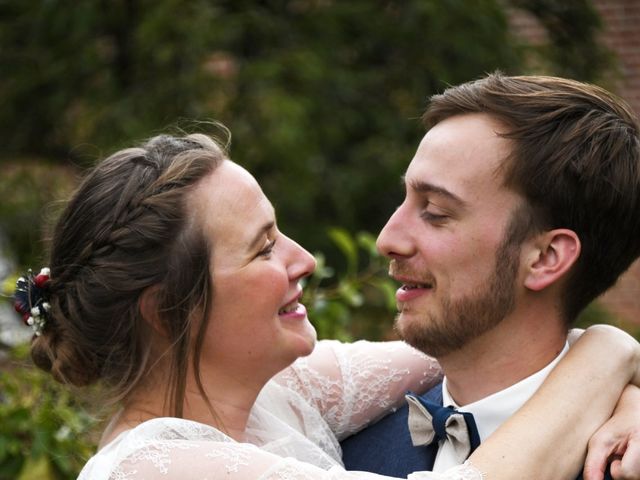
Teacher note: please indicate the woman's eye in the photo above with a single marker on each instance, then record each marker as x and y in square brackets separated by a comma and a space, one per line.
[266, 251]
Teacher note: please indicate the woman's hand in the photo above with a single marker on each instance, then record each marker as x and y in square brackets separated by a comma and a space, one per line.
[617, 441]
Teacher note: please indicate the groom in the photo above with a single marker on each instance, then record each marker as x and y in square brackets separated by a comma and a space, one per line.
[522, 205]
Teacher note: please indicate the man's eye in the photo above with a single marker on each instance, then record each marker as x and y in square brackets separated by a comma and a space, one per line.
[266, 251]
[433, 217]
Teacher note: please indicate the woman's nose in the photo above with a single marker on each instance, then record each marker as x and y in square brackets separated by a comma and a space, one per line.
[302, 263]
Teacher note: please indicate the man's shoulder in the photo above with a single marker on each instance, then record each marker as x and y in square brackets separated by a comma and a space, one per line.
[386, 448]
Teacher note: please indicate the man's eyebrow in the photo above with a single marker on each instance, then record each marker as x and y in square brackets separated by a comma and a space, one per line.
[261, 233]
[420, 186]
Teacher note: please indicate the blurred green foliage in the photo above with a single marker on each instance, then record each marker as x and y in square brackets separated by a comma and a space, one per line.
[358, 303]
[31, 191]
[322, 96]
[46, 431]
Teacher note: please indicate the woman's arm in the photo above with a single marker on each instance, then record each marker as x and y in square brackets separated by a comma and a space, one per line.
[547, 437]
[545, 440]
[617, 441]
[354, 384]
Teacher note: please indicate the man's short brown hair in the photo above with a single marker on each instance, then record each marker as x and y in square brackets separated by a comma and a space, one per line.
[576, 160]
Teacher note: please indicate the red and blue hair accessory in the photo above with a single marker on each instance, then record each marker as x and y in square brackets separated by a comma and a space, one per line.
[31, 299]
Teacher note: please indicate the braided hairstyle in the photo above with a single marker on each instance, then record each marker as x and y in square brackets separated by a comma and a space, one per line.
[126, 229]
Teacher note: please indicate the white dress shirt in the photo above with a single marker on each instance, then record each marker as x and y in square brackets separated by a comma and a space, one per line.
[490, 412]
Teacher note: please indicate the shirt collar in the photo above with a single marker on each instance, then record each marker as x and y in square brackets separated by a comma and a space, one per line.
[490, 412]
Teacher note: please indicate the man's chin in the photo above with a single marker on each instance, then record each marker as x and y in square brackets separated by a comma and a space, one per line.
[422, 333]
[409, 321]
[413, 330]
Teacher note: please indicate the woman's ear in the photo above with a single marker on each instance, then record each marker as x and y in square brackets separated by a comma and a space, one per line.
[149, 307]
[552, 255]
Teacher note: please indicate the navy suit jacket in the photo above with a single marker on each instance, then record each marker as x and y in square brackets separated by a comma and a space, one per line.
[385, 447]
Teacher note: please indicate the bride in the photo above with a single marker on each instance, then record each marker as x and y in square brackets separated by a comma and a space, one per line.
[171, 284]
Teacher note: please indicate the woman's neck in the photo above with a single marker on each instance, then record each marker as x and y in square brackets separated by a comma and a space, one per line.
[228, 408]
[230, 400]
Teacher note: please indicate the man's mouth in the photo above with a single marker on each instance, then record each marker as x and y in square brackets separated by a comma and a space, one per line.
[409, 278]
[410, 290]
[413, 286]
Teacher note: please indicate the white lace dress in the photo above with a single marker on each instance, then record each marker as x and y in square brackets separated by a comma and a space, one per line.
[294, 427]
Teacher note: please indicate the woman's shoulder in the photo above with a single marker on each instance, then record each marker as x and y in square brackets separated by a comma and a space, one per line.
[152, 441]
[175, 449]
[167, 429]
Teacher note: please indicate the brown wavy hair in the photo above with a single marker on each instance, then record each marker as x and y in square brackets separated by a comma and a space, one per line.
[127, 229]
[576, 160]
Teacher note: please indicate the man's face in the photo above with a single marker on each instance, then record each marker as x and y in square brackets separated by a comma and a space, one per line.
[448, 241]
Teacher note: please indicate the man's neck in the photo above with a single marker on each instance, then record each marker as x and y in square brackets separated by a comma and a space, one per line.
[513, 350]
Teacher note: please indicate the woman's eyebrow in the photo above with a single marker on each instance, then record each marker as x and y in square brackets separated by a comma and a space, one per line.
[261, 232]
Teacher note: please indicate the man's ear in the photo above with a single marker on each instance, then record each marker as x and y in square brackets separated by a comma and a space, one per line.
[149, 307]
[551, 256]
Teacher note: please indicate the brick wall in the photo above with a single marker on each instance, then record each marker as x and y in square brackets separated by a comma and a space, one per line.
[622, 35]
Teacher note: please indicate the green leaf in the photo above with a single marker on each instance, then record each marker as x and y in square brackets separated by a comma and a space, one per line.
[348, 291]
[368, 242]
[39, 468]
[322, 271]
[344, 241]
[388, 289]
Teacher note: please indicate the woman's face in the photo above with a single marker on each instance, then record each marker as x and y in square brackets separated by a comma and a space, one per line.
[256, 323]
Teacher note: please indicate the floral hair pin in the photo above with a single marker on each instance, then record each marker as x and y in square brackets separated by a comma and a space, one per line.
[31, 295]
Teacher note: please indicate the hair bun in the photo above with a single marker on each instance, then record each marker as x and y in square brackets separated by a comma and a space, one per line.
[55, 353]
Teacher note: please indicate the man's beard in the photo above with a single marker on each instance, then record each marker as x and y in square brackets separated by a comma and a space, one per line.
[469, 317]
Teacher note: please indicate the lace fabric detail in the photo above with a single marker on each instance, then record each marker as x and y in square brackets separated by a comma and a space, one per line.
[466, 471]
[234, 458]
[294, 426]
[158, 453]
[290, 470]
[360, 384]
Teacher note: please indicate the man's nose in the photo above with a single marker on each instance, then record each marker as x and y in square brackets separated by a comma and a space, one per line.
[395, 238]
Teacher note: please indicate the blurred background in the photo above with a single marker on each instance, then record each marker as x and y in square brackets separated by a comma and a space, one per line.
[323, 99]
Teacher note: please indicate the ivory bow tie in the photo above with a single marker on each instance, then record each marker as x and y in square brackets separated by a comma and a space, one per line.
[429, 422]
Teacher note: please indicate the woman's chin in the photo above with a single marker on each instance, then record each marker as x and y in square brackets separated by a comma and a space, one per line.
[305, 339]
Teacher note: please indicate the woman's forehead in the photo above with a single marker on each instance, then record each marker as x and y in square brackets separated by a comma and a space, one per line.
[230, 205]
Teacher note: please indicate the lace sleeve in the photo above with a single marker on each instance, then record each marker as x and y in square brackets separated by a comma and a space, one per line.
[203, 460]
[354, 384]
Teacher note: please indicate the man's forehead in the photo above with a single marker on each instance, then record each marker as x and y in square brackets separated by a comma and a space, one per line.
[461, 151]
